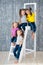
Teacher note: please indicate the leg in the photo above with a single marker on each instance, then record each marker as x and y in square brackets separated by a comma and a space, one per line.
[29, 24]
[23, 25]
[15, 50]
[13, 41]
[18, 53]
[20, 25]
[33, 29]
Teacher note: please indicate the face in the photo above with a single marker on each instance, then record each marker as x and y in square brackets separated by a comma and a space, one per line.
[23, 12]
[15, 25]
[27, 12]
[19, 32]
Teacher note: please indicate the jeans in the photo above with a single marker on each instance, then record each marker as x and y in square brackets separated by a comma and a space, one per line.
[22, 25]
[13, 39]
[17, 50]
[32, 25]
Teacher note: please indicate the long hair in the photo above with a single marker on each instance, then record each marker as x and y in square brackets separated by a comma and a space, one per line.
[30, 9]
[22, 33]
[20, 12]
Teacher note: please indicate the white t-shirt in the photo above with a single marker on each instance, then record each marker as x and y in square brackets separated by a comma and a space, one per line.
[19, 38]
[23, 19]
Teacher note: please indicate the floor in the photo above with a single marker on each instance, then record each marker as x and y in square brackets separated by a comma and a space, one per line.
[29, 59]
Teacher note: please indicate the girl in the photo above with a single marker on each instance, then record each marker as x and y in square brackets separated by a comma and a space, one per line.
[19, 43]
[30, 17]
[13, 33]
[22, 19]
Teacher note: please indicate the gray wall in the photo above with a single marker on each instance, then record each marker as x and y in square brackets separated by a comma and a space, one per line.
[9, 12]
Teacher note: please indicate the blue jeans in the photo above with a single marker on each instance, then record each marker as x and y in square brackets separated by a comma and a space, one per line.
[13, 39]
[32, 25]
[17, 50]
[22, 25]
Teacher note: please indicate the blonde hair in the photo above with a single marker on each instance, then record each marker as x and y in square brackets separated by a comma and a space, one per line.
[13, 24]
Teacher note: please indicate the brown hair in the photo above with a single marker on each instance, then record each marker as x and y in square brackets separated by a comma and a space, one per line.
[22, 33]
[20, 12]
[30, 9]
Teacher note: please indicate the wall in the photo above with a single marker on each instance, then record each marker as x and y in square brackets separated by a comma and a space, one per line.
[9, 12]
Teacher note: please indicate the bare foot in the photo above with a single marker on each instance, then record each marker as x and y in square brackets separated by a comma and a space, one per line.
[16, 62]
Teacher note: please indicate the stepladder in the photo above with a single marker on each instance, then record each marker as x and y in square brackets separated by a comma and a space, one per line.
[11, 52]
[23, 47]
[23, 50]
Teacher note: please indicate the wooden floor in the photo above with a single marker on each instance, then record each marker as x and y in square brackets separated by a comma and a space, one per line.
[29, 59]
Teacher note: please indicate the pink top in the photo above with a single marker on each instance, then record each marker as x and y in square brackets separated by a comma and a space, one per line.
[14, 31]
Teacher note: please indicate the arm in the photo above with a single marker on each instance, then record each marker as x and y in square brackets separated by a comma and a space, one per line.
[21, 42]
[19, 21]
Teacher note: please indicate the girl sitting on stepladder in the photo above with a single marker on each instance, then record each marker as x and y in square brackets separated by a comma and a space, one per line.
[23, 21]
[30, 17]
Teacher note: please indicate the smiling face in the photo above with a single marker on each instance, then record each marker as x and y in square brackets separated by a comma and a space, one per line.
[19, 32]
[22, 12]
[15, 24]
[27, 11]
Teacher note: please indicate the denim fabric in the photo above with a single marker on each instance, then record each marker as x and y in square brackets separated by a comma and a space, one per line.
[16, 51]
[13, 39]
[23, 25]
[32, 25]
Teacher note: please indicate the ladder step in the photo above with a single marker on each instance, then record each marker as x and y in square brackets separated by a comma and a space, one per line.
[11, 54]
[29, 50]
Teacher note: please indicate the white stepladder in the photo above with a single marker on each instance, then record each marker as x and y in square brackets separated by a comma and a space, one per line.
[23, 51]
[11, 52]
